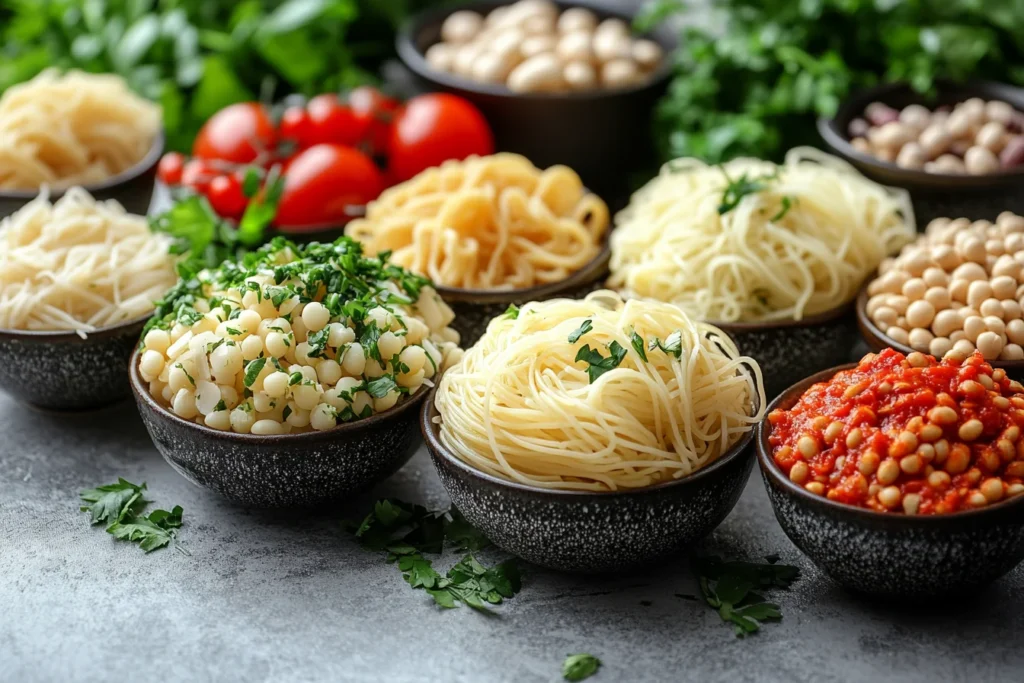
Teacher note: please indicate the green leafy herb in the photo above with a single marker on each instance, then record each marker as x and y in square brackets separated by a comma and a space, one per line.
[598, 364]
[112, 502]
[584, 327]
[579, 667]
[730, 587]
[381, 386]
[638, 345]
[253, 370]
[295, 378]
[736, 190]
[151, 532]
[512, 312]
[787, 204]
[121, 505]
[673, 344]
[286, 413]
[221, 405]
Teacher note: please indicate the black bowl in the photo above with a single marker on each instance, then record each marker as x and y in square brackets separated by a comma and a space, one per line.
[583, 531]
[601, 134]
[788, 350]
[891, 555]
[132, 188]
[286, 470]
[934, 195]
[876, 339]
[475, 308]
[62, 371]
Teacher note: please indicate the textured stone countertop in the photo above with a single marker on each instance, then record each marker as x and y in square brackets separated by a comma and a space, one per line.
[290, 597]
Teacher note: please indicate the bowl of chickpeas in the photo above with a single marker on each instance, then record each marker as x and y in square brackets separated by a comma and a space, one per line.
[559, 82]
[958, 288]
[959, 153]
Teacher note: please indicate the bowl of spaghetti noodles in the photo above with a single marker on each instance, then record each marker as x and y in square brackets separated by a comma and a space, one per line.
[78, 129]
[596, 434]
[78, 279]
[491, 232]
[773, 254]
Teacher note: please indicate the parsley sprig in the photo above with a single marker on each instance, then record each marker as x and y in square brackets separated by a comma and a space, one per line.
[597, 364]
[730, 587]
[121, 504]
[406, 532]
[579, 667]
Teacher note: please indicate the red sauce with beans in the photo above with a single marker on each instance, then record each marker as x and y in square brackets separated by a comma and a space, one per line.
[906, 434]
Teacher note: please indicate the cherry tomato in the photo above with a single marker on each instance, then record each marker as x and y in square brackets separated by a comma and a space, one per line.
[237, 133]
[226, 197]
[170, 167]
[433, 128]
[296, 126]
[197, 174]
[332, 122]
[321, 182]
[374, 111]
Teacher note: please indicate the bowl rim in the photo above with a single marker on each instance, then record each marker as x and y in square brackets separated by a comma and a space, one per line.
[431, 438]
[591, 271]
[902, 521]
[143, 398]
[877, 339]
[853, 106]
[410, 54]
[830, 315]
[136, 170]
[72, 335]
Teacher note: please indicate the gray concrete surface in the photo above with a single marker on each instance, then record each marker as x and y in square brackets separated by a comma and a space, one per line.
[290, 597]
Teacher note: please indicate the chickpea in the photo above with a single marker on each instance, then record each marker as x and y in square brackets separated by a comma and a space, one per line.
[611, 45]
[958, 124]
[861, 145]
[962, 348]
[938, 297]
[912, 156]
[889, 496]
[576, 19]
[1012, 352]
[974, 326]
[920, 339]
[898, 335]
[535, 45]
[949, 163]
[940, 346]
[916, 116]
[992, 135]
[579, 75]
[647, 54]
[489, 67]
[461, 27]
[576, 47]
[920, 313]
[934, 140]
[619, 73]
[441, 57]
[536, 74]
[980, 160]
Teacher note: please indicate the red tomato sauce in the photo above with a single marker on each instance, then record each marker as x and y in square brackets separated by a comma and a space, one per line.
[906, 434]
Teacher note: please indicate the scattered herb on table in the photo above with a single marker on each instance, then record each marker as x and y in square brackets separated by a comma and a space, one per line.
[406, 532]
[730, 587]
[579, 667]
[121, 505]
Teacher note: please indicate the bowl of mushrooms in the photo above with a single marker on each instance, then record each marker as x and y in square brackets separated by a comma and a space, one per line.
[959, 153]
[560, 83]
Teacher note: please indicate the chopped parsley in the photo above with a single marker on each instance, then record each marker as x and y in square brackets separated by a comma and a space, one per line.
[638, 345]
[512, 312]
[182, 368]
[286, 412]
[253, 370]
[221, 405]
[295, 378]
[730, 587]
[736, 190]
[579, 667]
[673, 344]
[584, 327]
[120, 506]
[787, 204]
[380, 387]
[598, 364]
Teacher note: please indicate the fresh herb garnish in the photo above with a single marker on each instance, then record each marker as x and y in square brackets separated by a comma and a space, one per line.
[253, 370]
[584, 327]
[598, 364]
[638, 345]
[673, 344]
[221, 405]
[182, 368]
[121, 505]
[295, 378]
[730, 587]
[379, 387]
[512, 312]
[736, 190]
[579, 667]
[787, 204]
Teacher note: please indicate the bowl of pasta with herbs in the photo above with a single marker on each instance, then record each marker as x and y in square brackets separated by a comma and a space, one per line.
[772, 254]
[292, 378]
[491, 232]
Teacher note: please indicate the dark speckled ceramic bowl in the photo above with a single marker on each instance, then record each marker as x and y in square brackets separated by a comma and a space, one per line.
[475, 308]
[792, 349]
[132, 188]
[287, 470]
[583, 531]
[891, 555]
[62, 371]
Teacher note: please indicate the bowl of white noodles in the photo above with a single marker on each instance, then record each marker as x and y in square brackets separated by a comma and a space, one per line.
[595, 435]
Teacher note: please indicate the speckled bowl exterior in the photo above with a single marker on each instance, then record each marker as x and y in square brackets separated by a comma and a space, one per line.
[62, 371]
[876, 340]
[288, 470]
[580, 531]
[133, 188]
[474, 309]
[934, 195]
[788, 351]
[891, 555]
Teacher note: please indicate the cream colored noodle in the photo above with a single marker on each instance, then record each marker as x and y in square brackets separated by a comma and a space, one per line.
[72, 129]
[749, 264]
[493, 222]
[80, 265]
[518, 406]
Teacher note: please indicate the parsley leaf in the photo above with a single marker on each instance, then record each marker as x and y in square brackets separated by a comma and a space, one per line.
[512, 312]
[729, 588]
[121, 505]
[737, 189]
[584, 327]
[379, 388]
[787, 204]
[253, 370]
[579, 667]
[112, 502]
[638, 345]
[150, 532]
[673, 344]
[598, 364]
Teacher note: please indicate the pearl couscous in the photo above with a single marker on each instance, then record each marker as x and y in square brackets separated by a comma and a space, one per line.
[296, 338]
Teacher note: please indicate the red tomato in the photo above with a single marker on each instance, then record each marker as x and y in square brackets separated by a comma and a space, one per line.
[321, 182]
[433, 128]
[374, 111]
[237, 133]
[332, 122]
[226, 197]
[197, 174]
[170, 167]
[296, 126]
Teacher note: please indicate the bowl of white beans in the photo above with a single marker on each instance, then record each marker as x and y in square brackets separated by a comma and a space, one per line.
[958, 288]
[559, 82]
[959, 153]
